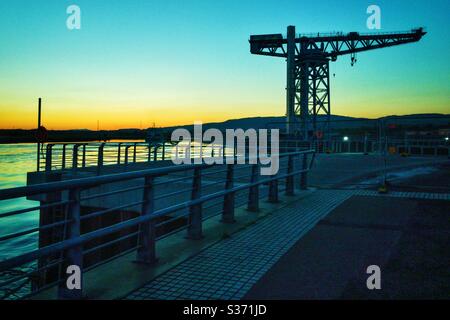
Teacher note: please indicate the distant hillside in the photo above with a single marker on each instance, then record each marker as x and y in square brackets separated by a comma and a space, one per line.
[337, 122]
[258, 123]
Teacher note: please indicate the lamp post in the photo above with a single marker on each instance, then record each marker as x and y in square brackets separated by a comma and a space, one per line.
[38, 142]
[346, 139]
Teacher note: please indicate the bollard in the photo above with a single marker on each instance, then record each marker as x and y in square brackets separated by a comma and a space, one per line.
[74, 255]
[228, 203]
[146, 252]
[194, 230]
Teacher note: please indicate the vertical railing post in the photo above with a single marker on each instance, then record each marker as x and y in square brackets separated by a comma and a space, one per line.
[126, 154]
[119, 147]
[304, 174]
[155, 153]
[149, 156]
[164, 151]
[228, 202]
[75, 157]
[273, 191]
[146, 252]
[48, 157]
[365, 145]
[101, 149]
[84, 156]
[253, 193]
[194, 230]
[63, 160]
[290, 178]
[134, 152]
[73, 257]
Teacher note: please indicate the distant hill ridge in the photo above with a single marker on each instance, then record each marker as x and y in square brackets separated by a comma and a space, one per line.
[338, 122]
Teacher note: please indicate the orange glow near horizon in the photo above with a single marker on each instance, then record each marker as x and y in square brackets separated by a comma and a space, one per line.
[114, 117]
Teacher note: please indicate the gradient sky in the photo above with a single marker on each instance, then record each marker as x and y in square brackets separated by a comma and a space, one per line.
[169, 62]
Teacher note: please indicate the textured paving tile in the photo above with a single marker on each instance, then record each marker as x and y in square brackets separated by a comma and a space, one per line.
[402, 194]
[228, 269]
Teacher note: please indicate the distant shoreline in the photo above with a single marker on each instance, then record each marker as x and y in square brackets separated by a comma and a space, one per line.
[417, 121]
[66, 141]
[54, 136]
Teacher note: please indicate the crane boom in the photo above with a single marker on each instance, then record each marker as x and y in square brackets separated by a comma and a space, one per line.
[308, 58]
[332, 45]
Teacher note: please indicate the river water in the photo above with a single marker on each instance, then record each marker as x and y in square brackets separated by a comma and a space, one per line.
[15, 161]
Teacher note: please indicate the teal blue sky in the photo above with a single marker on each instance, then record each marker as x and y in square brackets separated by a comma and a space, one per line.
[172, 62]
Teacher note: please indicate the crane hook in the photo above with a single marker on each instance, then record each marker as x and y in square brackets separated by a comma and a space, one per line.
[353, 59]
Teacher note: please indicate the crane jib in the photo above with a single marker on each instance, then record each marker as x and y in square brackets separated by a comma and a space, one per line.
[308, 57]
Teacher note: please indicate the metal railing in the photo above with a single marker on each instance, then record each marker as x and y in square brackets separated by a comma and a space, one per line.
[342, 33]
[72, 156]
[81, 155]
[426, 135]
[211, 190]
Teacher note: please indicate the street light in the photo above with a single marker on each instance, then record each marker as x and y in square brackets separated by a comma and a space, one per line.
[446, 138]
[345, 138]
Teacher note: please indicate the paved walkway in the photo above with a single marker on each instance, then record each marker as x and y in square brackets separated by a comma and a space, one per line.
[407, 238]
[228, 269]
[403, 194]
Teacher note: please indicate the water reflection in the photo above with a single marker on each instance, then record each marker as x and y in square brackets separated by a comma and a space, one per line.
[15, 161]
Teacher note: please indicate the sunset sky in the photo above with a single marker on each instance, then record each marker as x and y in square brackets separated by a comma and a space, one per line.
[135, 63]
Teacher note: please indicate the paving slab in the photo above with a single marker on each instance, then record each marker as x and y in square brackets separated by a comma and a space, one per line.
[406, 236]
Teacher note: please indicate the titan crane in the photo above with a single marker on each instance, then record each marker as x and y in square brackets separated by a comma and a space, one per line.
[308, 72]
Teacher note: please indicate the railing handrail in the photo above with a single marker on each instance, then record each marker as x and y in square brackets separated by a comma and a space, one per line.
[48, 187]
[78, 184]
[67, 244]
[56, 154]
